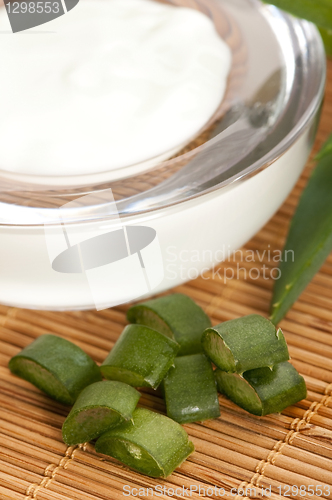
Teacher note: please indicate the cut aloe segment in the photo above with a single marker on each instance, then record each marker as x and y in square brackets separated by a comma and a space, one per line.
[151, 444]
[57, 367]
[263, 391]
[141, 357]
[190, 390]
[176, 316]
[99, 407]
[246, 343]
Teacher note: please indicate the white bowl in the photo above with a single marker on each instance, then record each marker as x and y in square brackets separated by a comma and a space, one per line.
[72, 247]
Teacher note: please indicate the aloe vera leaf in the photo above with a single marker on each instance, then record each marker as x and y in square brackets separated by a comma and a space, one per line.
[316, 11]
[309, 240]
[263, 391]
[141, 357]
[56, 366]
[245, 343]
[176, 316]
[152, 444]
[190, 390]
[325, 150]
[99, 407]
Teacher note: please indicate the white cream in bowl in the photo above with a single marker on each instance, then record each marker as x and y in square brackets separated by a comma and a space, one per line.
[115, 84]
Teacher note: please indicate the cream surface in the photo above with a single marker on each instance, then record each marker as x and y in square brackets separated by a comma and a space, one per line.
[112, 83]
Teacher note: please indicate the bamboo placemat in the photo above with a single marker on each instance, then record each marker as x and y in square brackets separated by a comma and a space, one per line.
[232, 452]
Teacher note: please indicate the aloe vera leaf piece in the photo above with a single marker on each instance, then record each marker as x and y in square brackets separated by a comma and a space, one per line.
[176, 316]
[190, 390]
[99, 407]
[141, 357]
[152, 444]
[245, 343]
[316, 11]
[263, 391]
[309, 240]
[56, 366]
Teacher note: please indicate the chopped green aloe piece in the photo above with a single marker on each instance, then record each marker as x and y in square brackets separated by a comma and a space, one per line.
[316, 11]
[263, 391]
[309, 241]
[190, 390]
[245, 343]
[176, 316]
[57, 367]
[99, 407]
[151, 444]
[141, 357]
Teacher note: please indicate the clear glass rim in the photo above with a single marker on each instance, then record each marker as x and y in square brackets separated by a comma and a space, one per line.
[17, 215]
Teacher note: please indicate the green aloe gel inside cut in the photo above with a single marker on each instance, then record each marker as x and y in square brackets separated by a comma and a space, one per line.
[151, 443]
[81, 426]
[41, 378]
[126, 376]
[56, 366]
[263, 390]
[98, 408]
[132, 455]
